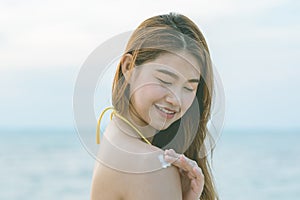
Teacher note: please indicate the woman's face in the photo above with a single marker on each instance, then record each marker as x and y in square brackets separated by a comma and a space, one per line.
[162, 90]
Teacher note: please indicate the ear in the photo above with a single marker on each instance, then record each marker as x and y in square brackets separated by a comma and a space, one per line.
[126, 62]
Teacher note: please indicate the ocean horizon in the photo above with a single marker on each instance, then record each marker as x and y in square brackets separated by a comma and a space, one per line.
[52, 164]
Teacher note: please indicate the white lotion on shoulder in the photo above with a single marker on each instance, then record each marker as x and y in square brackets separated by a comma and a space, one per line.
[164, 163]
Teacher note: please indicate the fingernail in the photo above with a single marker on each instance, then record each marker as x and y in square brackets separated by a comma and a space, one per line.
[167, 158]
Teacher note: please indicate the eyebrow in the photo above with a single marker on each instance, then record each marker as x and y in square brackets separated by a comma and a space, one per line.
[176, 76]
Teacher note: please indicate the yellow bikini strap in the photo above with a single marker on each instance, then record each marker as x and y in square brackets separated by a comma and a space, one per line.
[121, 117]
[99, 121]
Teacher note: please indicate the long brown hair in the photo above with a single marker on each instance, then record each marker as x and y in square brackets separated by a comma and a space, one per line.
[174, 33]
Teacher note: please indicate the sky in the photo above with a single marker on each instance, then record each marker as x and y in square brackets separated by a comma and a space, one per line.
[254, 45]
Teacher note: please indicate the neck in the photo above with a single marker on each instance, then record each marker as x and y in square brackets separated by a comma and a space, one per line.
[132, 127]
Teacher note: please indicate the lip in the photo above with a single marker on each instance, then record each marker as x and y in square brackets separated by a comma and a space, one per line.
[164, 114]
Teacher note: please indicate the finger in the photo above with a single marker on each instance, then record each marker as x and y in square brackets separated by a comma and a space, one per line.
[193, 171]
[179, 160]
[185, 164]
[191, 175]
[171, 156]
[196, 187]
[172, 153]
[187, 174]
[176, 161]
[198, 174]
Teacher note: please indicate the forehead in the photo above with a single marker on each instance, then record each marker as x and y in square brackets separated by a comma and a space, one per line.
[183, 64]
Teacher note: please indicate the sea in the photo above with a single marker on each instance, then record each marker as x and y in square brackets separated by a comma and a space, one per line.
[52, 164]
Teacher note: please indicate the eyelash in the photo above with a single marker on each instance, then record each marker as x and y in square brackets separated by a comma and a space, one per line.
[168, 83]
[164, 82]
[189, 89]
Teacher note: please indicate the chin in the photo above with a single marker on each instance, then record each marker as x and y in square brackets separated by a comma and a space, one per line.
[161, 127]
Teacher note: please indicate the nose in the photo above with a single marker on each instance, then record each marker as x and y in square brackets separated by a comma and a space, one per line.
[173, 97]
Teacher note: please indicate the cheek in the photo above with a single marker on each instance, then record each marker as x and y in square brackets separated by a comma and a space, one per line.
[187, 102]
[148, 94]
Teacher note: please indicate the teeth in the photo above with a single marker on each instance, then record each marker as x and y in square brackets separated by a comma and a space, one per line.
[165, 111]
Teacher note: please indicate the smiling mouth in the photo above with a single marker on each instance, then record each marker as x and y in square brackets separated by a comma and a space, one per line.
[168, 113]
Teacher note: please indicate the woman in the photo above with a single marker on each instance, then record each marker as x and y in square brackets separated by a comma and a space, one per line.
[153, 148]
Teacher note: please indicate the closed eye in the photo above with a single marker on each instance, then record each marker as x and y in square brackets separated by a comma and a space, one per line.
[189, 89]
[164, 82]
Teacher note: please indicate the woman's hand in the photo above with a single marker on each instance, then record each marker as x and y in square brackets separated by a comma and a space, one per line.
[191, 174]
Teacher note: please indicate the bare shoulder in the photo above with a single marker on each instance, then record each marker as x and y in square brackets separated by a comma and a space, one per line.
[106, 183]
[159, 184]
[112, 184]
[132, 170]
